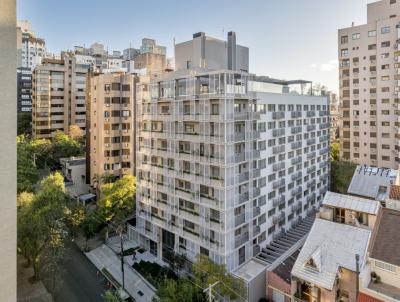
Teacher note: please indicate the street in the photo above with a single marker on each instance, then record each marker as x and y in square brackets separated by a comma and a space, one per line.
[77, 280]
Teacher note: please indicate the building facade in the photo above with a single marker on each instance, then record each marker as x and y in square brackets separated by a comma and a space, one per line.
[223, 169]
[111, 120]
[369, 64]
[30, 51]
[58, 97]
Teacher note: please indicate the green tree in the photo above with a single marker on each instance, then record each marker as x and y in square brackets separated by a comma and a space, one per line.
[335, 151]
[27, 174]
[89, 227]
[112, 296]
[341, 175]
[42, 222]
[117, 200]
[75, 132]
[24, 199]
[24, 120]
[206, 273]
[65, 146]
[179, 290]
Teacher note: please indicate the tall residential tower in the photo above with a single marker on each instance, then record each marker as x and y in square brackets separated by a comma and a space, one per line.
[369, 72]
[224, 167]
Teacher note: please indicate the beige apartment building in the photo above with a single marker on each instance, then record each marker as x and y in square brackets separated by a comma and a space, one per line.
[111, 120]
[369, 72]
[58, 96]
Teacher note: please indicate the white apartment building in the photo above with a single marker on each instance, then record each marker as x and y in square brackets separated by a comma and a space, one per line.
[31, 49]
[369, 74]
[223, 168]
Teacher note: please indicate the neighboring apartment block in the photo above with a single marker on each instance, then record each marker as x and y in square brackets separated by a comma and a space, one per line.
[30, 51]
[369, 65]
[111, 121]
[59, 92]
[224, 168]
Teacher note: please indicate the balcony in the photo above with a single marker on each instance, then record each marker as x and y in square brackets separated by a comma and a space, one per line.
[256, 192]
[278, 149]
[296, 145]
[296, 114]
[311, 155]
[323, 164]
[241, 239]
[310, 113]
[311, 183]
[311, 127]
[295, 130]
[241, 115]
[278, 166]
[297, 191]
[311, 169]
[296, 176]
[323, 138]
[296, 160]
[244, 176]
[323, 126]
[278, 217]
[311, 141]
[278, 201]
[239, 136]
[256, 230]
[278, 132]
[239, 157]
[323, 112]
[256, 211]
[324, 150]
[278, 115]
[240, 219]
[278, 183]
[243, 197]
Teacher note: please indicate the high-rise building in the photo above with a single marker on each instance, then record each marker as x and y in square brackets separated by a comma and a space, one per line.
[224, 167]
[111, 122]
[30, 51]
[369, 58]
[59, 91]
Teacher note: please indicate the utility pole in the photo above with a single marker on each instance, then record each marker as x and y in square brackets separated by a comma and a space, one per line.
[357, 275]
[208, 290]
[120, 230]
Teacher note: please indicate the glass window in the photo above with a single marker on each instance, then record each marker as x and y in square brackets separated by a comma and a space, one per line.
[372, 33]
[356, 36]
[385, 30]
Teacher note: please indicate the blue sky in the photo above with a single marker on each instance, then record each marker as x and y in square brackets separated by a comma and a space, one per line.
[288, 39]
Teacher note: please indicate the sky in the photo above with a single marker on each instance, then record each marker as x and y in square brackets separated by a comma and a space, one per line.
[288, 39]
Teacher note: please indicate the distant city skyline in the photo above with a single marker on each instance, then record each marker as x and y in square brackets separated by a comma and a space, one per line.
[288, 40]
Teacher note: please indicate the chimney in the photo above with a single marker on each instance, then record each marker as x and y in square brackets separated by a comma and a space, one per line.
[231, 50]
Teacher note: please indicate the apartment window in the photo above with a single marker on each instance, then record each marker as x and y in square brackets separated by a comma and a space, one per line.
[385, 89]
[385, 44]
[385, 30]
[392, 1]
[385, 55]
[372, 33]
[386, 66]
[344, 52]
[386, 158]
[385, 78]
[344, 39]
[386, 147]
[371, 46]
[356, 36]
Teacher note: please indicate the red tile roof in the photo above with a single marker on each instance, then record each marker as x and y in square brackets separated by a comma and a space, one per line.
[365, 298]
[395, 192]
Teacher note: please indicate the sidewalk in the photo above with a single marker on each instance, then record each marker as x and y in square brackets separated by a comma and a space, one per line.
[139, 288]
[28, 292]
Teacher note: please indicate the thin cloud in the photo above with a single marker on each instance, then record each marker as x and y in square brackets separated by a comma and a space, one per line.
[332, 65]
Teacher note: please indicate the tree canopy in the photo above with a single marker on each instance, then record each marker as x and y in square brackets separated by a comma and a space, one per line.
[335, 151]
[117, 200]
[42, 220]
